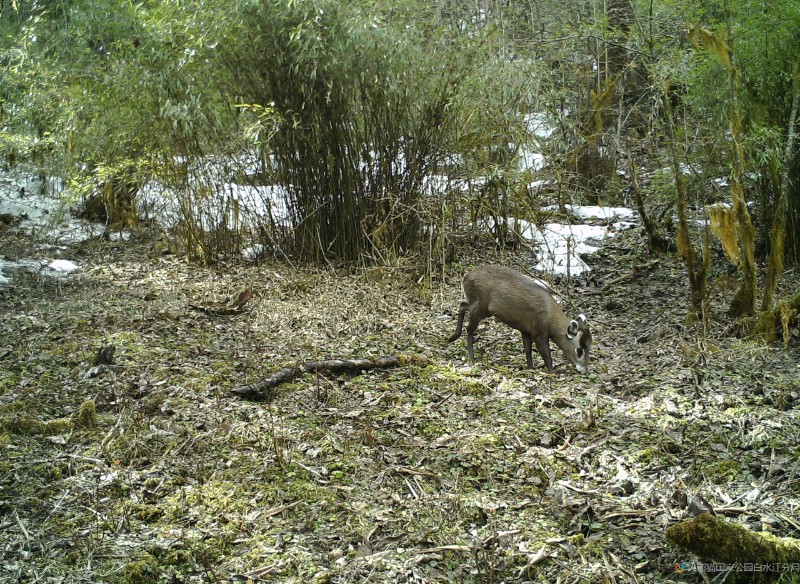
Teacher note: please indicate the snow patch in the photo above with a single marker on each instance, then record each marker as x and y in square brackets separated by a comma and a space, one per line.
[230, 203]
[435, 184]
[120, 236]
[596, 212]
[538, 125]
[254, 251]
[40, 210]
[538, 184]
[63, 266]
[529, 159]
[560, 246]
[47, 268]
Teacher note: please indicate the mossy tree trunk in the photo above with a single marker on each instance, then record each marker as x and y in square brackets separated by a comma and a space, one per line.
[779, 318]
[696, 266]
[744, 303]
[597, 162]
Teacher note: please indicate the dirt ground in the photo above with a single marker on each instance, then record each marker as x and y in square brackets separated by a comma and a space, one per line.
[147, 469]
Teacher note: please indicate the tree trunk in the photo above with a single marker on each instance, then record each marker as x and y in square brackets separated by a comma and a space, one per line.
[744, 303]
[778, 232]
[779, 319]
[695, 267]
[655, 240]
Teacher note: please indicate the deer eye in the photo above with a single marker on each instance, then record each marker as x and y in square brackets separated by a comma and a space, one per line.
[580, 352]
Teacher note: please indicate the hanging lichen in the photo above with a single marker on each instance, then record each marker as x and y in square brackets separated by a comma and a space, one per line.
[743, 303]
[708, 41]
[723, 226]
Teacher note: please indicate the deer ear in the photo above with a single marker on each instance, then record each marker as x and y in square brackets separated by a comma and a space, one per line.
[572, 329]
[582, 317]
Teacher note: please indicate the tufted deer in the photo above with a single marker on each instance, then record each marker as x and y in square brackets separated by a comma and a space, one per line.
[525, 305]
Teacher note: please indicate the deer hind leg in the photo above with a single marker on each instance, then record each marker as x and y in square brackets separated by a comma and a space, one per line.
[475, 318]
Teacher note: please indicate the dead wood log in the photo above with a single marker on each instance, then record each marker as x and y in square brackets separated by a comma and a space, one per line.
[259, 389]
[716, 540]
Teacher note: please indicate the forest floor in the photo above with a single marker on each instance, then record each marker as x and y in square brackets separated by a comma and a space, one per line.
[430, 472]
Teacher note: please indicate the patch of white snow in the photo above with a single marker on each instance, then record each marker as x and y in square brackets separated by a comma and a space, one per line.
[596, 212]
[529, 159]
[538, 125]
[62, 266]
[560, 246]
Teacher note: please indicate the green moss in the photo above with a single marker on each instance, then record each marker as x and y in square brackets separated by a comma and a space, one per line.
[736, 412]
[488, 441]
[209, 553]
[58, 426]
[25, 426]
[87, 415]
[9, 382]
[723, 470]
[259, 544]
[576, 539]
[143, 570]
[431, 430]
[208, 502]
[716, 539]
[646, 455]
[13, 407]
[29, 426]
[146, 513]
[152, 483]
[475, 388]
[56, 473]
[152, 404]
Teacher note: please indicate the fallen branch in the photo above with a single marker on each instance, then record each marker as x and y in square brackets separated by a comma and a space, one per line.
[278, 510]
[258, 389]
[540, 556]
[444, 548]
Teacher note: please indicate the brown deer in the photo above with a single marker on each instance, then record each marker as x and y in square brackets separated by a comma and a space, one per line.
[523, 304]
